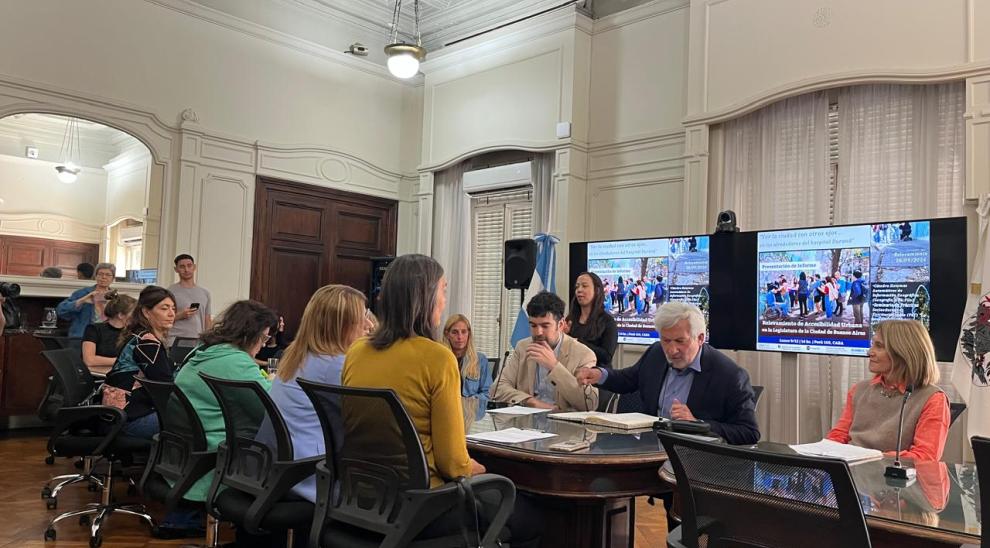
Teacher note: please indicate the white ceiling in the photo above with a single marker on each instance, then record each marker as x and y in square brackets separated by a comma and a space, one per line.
[98, 144]
[336, 24]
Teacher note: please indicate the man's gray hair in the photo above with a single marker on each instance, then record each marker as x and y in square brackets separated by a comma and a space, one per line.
[105, 266]
[676, 311]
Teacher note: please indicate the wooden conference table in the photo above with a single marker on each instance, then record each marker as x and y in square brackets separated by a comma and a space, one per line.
[938, 509]
[587, 497]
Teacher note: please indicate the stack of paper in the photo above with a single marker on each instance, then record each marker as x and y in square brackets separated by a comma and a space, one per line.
[844, 451]
[511, 435]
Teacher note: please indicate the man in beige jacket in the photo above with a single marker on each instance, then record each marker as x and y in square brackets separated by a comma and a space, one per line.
[540, 372]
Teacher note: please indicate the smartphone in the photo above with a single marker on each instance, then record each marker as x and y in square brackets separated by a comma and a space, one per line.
[194, 305]
[569, 446]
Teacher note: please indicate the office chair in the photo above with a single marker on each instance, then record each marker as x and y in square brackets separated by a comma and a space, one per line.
[736, 495]
[981, 452]
[629, 403]
[95, 431]
[73, 386]
[757, 395]
[181, 348]
[180, 455]
[375, 489]
[955, 410]
[252, 480]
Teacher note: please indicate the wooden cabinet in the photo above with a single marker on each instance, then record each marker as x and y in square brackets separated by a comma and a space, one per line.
[24, 374]
[23, 256]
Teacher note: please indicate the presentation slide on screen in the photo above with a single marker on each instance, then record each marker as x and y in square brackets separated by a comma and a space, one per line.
[640, 275]
[820, 289]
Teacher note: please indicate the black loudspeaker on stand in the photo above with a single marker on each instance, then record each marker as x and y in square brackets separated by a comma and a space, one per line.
[520, 263]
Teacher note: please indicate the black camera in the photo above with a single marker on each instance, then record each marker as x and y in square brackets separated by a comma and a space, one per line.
[726, 222]
[10, 290]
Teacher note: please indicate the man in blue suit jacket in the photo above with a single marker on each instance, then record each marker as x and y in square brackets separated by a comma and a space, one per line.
[683, 378]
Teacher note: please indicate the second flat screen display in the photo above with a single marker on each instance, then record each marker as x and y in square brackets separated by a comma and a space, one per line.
[819, 290]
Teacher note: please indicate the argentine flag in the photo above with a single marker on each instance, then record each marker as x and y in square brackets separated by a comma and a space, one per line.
[543, 278]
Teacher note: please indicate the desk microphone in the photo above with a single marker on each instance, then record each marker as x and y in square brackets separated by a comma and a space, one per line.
[896, 474]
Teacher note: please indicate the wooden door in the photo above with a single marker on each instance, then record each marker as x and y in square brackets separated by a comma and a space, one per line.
[306, 237]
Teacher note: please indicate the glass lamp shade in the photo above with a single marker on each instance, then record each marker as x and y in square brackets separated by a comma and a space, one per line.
[403, 65]
[67, 173]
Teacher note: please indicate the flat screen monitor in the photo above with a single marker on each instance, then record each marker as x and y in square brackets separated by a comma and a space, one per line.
[640, 275]
[821, 290]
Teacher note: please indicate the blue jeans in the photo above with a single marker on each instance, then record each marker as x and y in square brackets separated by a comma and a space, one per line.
[143, 427]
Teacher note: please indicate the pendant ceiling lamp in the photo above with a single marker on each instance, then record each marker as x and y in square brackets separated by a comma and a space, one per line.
[67, 169]
[404, 58]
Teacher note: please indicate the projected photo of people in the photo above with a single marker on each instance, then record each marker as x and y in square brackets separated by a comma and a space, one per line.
[900, 267]
[640, 275]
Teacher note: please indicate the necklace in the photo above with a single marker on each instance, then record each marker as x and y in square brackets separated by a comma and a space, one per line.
[888, 392]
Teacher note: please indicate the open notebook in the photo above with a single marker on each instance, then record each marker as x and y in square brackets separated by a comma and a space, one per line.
[828, 448]
[624, 421]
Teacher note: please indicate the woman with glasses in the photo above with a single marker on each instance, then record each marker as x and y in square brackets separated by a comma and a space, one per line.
[85, 306]
[226, 351]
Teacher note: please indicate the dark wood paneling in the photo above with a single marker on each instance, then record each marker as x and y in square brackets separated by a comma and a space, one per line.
[24, 256]
[25, 374]
[306, 237]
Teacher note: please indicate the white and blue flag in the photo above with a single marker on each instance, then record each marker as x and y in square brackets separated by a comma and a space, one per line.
[543, 279]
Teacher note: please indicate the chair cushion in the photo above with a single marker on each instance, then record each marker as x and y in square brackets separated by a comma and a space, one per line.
[284, 514]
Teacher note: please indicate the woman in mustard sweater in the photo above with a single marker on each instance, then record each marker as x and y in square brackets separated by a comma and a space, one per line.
[403, 354]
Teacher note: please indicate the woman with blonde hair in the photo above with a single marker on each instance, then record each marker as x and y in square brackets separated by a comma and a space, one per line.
[333, 319]
[476, 375]
[902, 360]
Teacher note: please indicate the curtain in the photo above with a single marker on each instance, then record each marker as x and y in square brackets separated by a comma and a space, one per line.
[543, 192]
[452, 236]
[900, 156]
[775, 175]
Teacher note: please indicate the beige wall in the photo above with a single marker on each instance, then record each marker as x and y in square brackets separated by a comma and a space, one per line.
[31, 187]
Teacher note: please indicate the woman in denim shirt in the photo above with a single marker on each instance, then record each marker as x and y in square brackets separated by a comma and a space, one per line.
[85, 306]
[476, 373]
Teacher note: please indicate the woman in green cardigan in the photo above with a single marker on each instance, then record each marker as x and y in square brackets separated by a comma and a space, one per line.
[226, 351]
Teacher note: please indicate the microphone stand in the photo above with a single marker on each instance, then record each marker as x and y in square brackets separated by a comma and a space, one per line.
[896, 474]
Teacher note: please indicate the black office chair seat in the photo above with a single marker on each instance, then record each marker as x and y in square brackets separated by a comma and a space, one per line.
[288, 513]
[124, 446]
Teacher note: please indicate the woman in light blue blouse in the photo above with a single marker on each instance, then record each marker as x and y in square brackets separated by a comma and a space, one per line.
[334, 318]
[476, 373]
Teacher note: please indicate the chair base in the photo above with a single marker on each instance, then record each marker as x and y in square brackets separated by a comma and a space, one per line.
[102, 513]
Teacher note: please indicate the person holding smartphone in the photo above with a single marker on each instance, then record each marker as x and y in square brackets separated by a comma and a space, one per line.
[192, 302]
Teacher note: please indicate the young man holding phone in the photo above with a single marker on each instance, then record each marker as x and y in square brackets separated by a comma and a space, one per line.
[541, 370]
[192, 302]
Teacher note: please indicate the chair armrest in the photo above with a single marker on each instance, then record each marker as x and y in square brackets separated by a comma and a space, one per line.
[67, 417]
[324, 496]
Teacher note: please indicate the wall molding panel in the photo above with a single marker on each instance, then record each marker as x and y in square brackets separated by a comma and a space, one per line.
[49, 226]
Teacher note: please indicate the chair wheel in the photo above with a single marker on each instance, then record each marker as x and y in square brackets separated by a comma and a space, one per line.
[46, 492]
[79, 464]
[84, 520]
[49, 460]
[51, 504]
[96, 540]
[50, 534]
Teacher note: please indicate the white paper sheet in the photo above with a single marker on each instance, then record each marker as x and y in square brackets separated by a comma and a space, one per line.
[518, 410]
[511, 435]
[844, 451]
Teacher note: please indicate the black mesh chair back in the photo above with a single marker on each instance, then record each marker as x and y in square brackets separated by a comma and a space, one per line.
[955, 410]
[630, 403]
[981, 452]
[757, 395]
[75, 383]
[256, 476]
[751, 497]
[181, 348]
[376, 480]
[180, 455]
